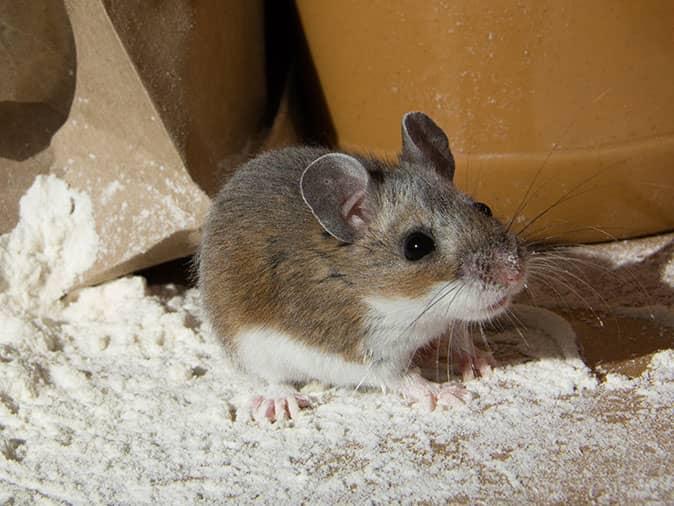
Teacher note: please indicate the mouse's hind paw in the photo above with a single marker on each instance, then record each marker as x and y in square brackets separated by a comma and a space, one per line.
[278, 404]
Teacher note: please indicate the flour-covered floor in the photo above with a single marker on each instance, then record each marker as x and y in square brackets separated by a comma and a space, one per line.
[119, 394]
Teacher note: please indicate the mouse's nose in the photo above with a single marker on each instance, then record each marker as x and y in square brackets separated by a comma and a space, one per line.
[504, 268]
[509, 275]
[508, 269]
[492, 268]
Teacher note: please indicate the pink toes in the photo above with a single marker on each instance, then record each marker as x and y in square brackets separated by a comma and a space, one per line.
[473, 363]
[428, 396]
[452, 395]
[276, 409]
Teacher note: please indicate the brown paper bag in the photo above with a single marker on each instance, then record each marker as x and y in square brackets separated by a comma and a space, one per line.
[116, 99]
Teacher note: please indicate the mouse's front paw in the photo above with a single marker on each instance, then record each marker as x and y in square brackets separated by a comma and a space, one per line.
[279, 407]
[473, 363]
[427, 395]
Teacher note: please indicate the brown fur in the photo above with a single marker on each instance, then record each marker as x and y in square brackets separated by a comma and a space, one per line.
[265, 261]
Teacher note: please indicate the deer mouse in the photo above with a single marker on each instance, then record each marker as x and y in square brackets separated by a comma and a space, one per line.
[336, 267]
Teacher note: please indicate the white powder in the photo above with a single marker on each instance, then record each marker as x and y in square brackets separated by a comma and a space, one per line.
[616, 381]
[110, 191]
[120, 394]
[54, 242]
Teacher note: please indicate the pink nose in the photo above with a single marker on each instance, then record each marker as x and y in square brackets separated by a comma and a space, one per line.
[509, 275]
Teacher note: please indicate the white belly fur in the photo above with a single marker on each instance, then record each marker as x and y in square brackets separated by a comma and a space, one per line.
[397, 331]
[278, 358]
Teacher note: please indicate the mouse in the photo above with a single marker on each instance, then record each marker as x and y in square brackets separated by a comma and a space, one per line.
[337, 267]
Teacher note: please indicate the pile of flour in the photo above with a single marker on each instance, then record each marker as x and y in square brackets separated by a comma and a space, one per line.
[120, 394]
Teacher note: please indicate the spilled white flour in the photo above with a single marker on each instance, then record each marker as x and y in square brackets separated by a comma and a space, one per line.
[119, 394]
[54, 242]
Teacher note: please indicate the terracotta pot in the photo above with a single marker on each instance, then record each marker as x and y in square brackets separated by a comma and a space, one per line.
[565, 103]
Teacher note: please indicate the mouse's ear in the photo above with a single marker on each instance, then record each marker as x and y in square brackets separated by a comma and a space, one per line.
[424, 142]
[334, 187]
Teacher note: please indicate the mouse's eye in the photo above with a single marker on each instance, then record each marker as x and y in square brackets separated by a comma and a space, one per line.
[483, 208]
[417, 245]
